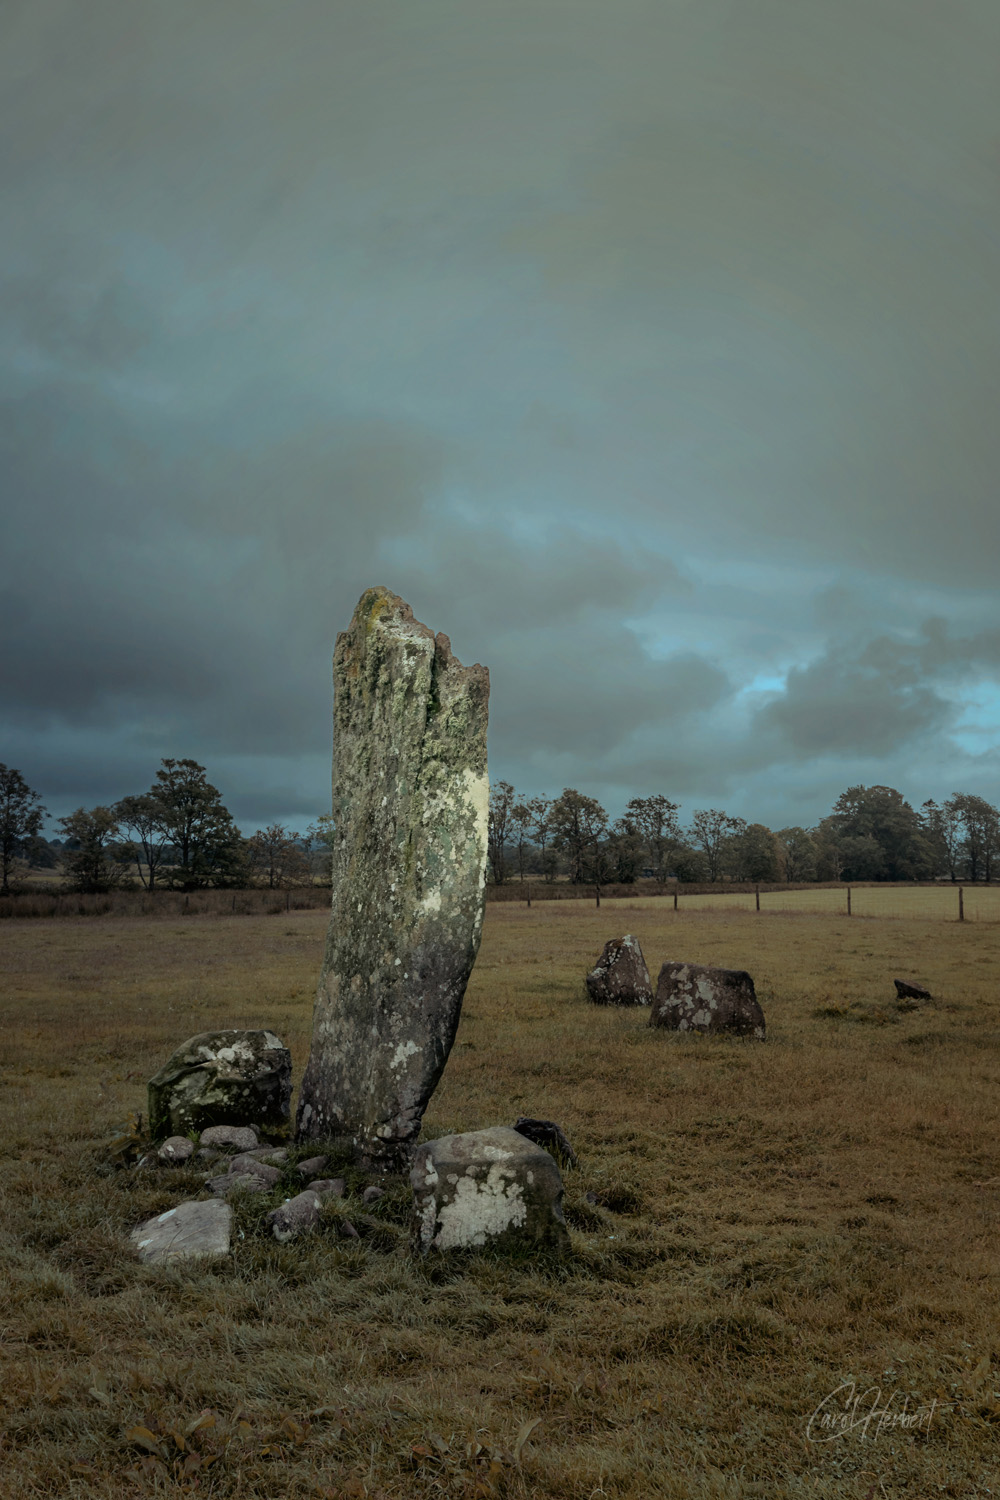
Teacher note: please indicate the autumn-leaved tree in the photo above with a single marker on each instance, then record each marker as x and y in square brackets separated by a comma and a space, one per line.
[21, 815]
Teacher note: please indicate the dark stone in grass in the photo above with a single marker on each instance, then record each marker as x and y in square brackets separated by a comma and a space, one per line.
[696, 997]
[328, 1187]
[372, 1194]
[313, 1166]
[548, 1135]
[295, 1217]
[240, 1165]
[222, 1078]
[234, 1182]
[620, 976]
[411, 805]
[906, 990]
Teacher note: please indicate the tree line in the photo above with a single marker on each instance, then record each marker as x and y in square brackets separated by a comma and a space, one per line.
[178, 834]
[871, 833]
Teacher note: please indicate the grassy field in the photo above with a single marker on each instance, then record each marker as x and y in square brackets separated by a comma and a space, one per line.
[771, 1222]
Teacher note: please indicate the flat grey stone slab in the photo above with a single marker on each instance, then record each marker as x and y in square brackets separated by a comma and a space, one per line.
[191, 1231]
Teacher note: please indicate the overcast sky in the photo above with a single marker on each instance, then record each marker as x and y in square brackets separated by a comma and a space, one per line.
[649, 348]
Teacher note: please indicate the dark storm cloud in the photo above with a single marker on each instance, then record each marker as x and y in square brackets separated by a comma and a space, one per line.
[646, 349]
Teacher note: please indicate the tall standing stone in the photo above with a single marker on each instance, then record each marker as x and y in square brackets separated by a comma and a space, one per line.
[410, 805]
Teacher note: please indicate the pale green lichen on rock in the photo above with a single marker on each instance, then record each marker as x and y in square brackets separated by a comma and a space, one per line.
[411, 797]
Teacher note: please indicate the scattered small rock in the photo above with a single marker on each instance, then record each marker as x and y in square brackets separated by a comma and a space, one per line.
[620, 976]
[327, 1187]
[238, 1137]
[372, 1194]
[232, 1182]
[208, 1153]
[296, 1216]
[243, 1164]
[346, 1230]
[548, 1135]
[907, 990]
[313, 1166]
[175, 1150]
[189, 1231]
[696, 997]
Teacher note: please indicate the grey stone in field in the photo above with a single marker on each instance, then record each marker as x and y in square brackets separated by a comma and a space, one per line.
[491, 1189]
[222, 1078]
[176, 1150]
[907, 990]
[372, 1194]
[188, 1232]
[620, 976]
[410, 804]
[296, 1216]
[230, 1138]
[697, 997]
[550, 1136]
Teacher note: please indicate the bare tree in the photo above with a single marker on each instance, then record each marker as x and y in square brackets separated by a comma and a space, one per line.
[278, 857]
[502, 797]
[709, 830]
[145, 818]
[541, 832]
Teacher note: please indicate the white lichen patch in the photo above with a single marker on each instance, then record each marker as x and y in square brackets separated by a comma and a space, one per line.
[480, 1210]
[402, 1052]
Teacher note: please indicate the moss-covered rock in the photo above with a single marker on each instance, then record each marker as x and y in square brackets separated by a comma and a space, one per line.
[222, 1078]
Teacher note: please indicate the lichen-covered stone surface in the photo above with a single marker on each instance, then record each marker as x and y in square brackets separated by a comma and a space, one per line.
[620, 976]
[697, 997]
[222, 1078]
[410, 803]
[487, 1189]
[191, 1231]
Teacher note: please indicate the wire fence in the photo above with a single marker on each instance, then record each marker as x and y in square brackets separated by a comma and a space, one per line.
[926, 903]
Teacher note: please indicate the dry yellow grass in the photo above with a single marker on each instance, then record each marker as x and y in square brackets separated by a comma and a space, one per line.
[771, 1221]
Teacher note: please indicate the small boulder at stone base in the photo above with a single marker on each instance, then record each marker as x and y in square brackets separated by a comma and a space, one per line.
[907, 990]
[487, 1189]
[222, 1078]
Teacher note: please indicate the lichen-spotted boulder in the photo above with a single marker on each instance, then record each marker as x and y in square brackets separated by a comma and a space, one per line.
[487, 1189]
[410, 805]
[698, 997]
[222, 1078]
[620, 976]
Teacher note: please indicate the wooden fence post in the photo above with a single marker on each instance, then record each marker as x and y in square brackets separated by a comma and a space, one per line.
[675, 898]
[756, 891]
[961, 904]
[528, 890]
[848, 900]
